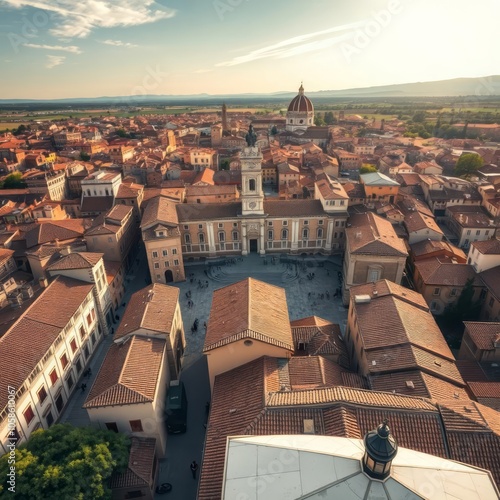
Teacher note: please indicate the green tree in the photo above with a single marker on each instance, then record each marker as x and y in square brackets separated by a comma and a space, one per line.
[330, 118]
[419, 117]
[318, 121]
[224, 165]
[367, 169]
[14, 181]
[20, 130]
[121, 133]
[66, 463]
[274, 130]
[464, 309]
[84, 156]
[468, 164]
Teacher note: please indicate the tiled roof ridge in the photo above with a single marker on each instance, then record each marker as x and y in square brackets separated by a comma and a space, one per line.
[485, 425]
[89, 404]
[125, 361]
[341, 394]
[247, 333]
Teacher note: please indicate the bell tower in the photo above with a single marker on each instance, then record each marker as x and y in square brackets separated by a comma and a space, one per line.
[252, 195]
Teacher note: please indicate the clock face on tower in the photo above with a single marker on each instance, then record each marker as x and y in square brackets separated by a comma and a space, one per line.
[252, 204]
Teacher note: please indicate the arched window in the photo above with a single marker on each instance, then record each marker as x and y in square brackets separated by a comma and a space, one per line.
[270, 235]
[320, 233]
[305, 234]
[235, 236]
[222, 236]
[187, 239]
[291, 121]
[251, 184]
[284, 234]
[201, 238]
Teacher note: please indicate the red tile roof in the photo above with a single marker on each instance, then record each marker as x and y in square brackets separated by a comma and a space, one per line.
[483, 335]
[237, 313]
[152, 309]
[36, 330]
[129, 374]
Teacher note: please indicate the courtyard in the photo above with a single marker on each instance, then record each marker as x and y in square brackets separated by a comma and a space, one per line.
[310, 283]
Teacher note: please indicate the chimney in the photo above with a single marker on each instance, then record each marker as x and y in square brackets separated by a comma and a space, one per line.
[43, 282]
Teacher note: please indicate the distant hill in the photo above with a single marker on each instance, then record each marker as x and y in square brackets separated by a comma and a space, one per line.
[483, 86]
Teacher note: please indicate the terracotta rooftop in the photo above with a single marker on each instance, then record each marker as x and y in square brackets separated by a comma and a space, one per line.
[426, 247]
[248, 401]
[131, 190]
[129, 374]
[152, 308]
[483, 335]
[82, 260]
[487, 247]
[159, 209]
[91, 204]
[370, 234]
[236, 314]
[139, 471]
[436, 271]
[37, 329]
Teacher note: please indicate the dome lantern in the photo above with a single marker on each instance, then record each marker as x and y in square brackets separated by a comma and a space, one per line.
[380, 450]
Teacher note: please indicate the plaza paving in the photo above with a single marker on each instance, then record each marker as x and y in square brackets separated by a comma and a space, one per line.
[303, 298]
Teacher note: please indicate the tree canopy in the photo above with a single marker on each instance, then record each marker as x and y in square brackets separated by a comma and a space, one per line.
[468, 164]
[367, 169]
[67, 463]
[13, 181]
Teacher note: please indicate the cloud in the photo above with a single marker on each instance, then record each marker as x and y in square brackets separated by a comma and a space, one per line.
[119, 43]
[53, 61]
[66, 48]
[200, 71]
[78, 19]
[301, 44]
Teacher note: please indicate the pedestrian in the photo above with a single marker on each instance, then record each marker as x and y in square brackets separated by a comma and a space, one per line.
[194, 468]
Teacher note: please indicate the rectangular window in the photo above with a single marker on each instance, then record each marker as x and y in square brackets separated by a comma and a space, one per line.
[200, 226]
[28, 415]
[437, 291]
[111, 426]
[270, 223]
[64, 361]
[82, 332]
[165, 253]
[73, 345]
[320, 222]
[135, 425]
[53, 376]
[306, 222]
[478, 232]
[70, 381]
[186, 227]
[42, 394]
[221, 225]
[468, 232]
[176, 262]
[157, 265]
[285, 223]
[453, 292]
[155, 255]
[235, 224]
[49, 418]
[166, 263]
[89, 319]
[174, 251]
[491, 302]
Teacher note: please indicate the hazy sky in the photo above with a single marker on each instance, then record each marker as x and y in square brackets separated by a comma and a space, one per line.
[67, 48]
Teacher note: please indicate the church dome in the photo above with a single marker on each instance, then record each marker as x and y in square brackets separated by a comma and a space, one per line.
[300, 103]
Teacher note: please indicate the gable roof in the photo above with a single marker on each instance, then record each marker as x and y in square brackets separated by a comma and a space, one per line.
[80, 260]
[129, 373]
[371, 234]
[152, 308]
[484, 335]
[237, 313]
[436, 271]
[159, 209]
[377, 179]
